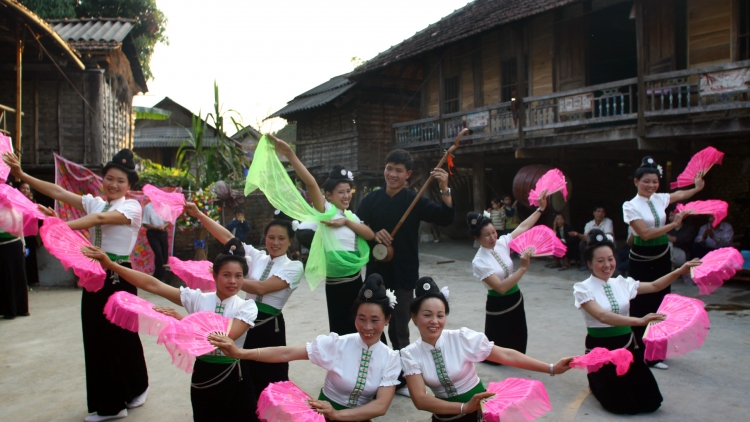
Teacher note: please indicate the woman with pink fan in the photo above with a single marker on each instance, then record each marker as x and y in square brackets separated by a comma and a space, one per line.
[216, 377]
[700, 163]
[116, 376]
[272, 279]
[650, 256]
[505, 320]
[605, 303]
[444, 361]
[362, 371]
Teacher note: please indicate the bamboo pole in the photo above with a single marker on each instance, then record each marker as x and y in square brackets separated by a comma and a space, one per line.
[19, 80]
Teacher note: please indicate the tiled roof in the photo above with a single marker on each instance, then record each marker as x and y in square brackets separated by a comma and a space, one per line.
[96, 30]
[318, 96]
[477, 16]
[165, 137]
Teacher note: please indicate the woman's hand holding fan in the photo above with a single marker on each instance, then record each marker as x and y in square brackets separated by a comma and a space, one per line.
[285, 402]
[542, 240]
[715, 207]
[188, 338]
[226, 345]
[5, 147]
[698, 167]
[715, 267]
[69, 247]
[551, 182]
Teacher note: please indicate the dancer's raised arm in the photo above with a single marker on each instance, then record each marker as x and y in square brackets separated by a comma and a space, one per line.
[45, 188]
[284, 149]
[217, 230]
[533, 218]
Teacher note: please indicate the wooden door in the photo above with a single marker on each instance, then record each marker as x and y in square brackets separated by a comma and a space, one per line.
[571, 48]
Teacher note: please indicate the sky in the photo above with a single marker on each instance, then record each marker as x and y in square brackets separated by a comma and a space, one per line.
[263, 54]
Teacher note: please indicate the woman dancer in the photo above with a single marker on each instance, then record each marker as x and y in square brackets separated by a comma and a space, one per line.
[116, 377]
[362, 371]
[216, 378]
[444, 360]
[273, 277]
[605, 302]
[505, 322]
[649, 256]
[346, 227]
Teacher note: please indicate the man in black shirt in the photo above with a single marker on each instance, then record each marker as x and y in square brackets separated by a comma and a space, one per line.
[381, 210]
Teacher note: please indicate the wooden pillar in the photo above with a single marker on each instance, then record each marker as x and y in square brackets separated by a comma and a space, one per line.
[85, 112]
[97, 138]
[35, 147]
[479, 193]
[640, 35]
[441, 98]
[521, 82]
[59, 117]
[19, 80]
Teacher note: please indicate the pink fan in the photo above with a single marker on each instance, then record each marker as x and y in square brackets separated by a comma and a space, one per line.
[540, 238]
[180, 358]
[196, 274]
[66, 245]
[11, 220]
[718, 265]
[285, 402]
[516, 400]
[132, 313]
[168, 206]
[599, 356]
[5, 146]
[713, 207]
[553, 181]
[701, 162]
[190, 335]
[683, 330]
[13, 199]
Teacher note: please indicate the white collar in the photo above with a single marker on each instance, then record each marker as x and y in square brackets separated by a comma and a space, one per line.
[428, 346]
[361, 343]
[115, 202]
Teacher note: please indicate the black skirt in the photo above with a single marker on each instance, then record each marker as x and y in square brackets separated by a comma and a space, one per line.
[232, 399]
[115, 367]
[636, 391]
[14, 296]
[265, 335]
[340, 297]
[32, 267]
[508, 329]
[469, 417]
[647, 271]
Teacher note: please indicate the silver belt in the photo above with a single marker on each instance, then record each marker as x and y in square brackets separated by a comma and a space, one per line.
[507, 310]
[10, 241]
[219, 378]
[334, 281]
[275, 319]
[643, 258]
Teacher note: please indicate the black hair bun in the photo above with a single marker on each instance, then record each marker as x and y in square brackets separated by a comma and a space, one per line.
[124, 159]
[234, 247]
[474, 219]
[426, 285]
[338, 172]
[373, 289]
[648, 162]
[597, 237]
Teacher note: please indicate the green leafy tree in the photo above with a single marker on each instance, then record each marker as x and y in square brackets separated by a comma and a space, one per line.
[149, 30]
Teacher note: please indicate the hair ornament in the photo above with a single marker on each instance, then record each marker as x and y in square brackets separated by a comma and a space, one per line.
[295, 225]
[661, 170]
[610, 238]
[473, 221]
[650, 161]
[349, 175]
[599, 238]
[343, 172]
[276, 212]
[445, 292]
[426, 286]
[367, 293]
[391, 298]
[485, 214]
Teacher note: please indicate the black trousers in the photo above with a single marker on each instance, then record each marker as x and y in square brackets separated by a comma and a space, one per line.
[632, 393]
[115, 366]
[157, 239]
[265, 335]
[230, 400]
[339, 298]
[32, 267]
[14, 296]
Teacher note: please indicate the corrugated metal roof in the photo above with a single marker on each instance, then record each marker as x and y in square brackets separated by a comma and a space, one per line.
[165, 137]
[93, 29]
[318, 96]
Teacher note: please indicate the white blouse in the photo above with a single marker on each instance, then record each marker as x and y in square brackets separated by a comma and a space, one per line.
[233, 307]
[485, 263]
[283, 268]
[638, 209]
[457, 350]
[344, 234]
[355, 371]
[118, 239]
[613, 295]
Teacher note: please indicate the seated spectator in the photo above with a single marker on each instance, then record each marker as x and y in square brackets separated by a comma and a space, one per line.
[710, 238]
[600, 222]
[564, 232]
[239, 226]
[681, 240]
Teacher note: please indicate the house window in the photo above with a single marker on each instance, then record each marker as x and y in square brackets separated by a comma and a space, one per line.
[508, 79]
[451, 104]
[744, 31]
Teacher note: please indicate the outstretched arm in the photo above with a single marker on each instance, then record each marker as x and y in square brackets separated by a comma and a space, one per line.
[267, 354]
[617, 320]
[512, 357]
[664, 281]
[361, 229]
[646, 233]
[502, 286]
[136, 278]
[684, 195]
[533, 218]
[98, 219]
[45, 188]
[284, 149]
[217, 230]
[429, 403]
[270, 285]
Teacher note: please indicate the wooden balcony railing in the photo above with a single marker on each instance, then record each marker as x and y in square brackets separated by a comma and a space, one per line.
[4, 119]
[700, 90]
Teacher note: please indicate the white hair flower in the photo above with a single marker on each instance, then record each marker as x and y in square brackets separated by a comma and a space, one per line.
[445, 291]
[349, 175]
[486, 214]
[661, 170]
[391, 298]
[295, 225]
